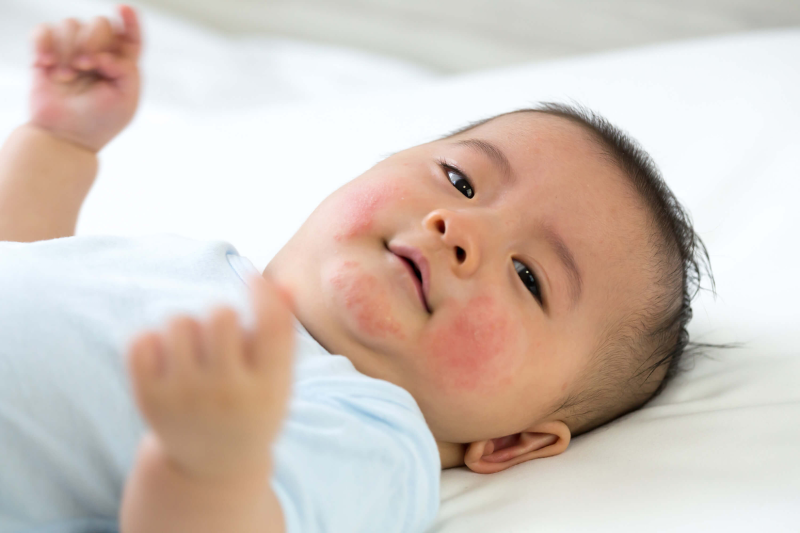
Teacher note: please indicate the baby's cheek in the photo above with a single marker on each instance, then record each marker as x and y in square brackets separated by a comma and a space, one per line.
[360, 205]
[476, 349]
[366, 300]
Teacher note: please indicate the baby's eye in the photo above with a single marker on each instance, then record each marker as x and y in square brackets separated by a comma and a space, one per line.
[458, 179]
[528, 279]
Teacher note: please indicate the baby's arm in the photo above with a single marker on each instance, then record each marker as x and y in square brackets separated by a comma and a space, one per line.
[85, 90]
[215, 397]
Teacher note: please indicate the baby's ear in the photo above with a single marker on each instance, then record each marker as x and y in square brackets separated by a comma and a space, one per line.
[542, 440]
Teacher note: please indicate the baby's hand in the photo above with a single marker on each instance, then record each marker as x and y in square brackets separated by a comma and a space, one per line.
[214, 397]
[86, 79]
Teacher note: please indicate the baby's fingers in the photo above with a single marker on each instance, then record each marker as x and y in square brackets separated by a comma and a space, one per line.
[64, 39]
[131, 32]
[42, 37]
[273, 338]
[93, 38]
[110, 66]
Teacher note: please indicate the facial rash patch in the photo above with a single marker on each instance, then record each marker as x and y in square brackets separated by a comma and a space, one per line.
[360, 206]
[475, 349]
[367, 300]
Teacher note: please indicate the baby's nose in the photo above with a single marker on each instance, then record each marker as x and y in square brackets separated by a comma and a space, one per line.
[457, 234]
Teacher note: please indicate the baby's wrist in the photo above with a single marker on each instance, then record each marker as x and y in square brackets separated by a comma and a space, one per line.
[161, 496]
[206, 472]
[43, 183]
[65, 141]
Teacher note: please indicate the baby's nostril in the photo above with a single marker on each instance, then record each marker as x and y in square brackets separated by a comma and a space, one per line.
[440, 226]
[460, 254]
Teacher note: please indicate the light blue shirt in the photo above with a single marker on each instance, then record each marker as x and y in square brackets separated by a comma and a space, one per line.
[354, 454]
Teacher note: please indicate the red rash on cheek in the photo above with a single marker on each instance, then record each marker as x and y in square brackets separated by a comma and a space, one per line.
[474, 349]
[367, 300]
[360, 206]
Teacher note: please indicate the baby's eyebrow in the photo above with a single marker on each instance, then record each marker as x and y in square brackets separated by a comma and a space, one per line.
[494, 153]
[563, 253]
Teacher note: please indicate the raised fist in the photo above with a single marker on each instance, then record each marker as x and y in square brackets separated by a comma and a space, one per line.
[86, 79]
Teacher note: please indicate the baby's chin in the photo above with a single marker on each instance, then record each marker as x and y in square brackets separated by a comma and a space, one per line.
[363, 300]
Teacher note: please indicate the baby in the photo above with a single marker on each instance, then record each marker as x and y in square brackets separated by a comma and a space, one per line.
[525, 279]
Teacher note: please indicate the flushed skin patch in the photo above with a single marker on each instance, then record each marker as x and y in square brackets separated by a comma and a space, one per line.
[476, 349]
[367, 300]
[359, 207]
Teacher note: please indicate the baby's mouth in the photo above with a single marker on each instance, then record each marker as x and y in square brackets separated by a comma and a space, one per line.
[414, 266]
[417, 266]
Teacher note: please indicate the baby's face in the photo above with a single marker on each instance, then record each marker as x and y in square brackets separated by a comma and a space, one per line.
[524, 258]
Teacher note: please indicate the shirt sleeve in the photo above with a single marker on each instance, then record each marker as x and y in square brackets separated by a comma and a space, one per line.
[357, 462]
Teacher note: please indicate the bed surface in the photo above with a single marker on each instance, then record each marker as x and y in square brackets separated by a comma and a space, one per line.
[718, 450]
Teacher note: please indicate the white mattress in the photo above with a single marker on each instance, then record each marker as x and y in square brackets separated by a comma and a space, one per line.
[241, 153]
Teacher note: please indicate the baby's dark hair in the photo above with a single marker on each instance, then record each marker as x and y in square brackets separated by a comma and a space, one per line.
[619, 377]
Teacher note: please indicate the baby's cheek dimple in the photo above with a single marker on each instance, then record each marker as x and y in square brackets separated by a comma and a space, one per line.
[476, 349]
[359, 207]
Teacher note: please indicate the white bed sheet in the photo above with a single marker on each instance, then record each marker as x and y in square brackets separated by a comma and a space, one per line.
[719, 449]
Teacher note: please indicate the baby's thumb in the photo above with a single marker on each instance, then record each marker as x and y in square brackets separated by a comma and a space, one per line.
[273, 321]
[131, 32]
[287, 297]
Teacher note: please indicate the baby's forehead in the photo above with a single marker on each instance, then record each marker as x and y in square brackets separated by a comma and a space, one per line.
[535, 143]
[537, 146]
[527, 127]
